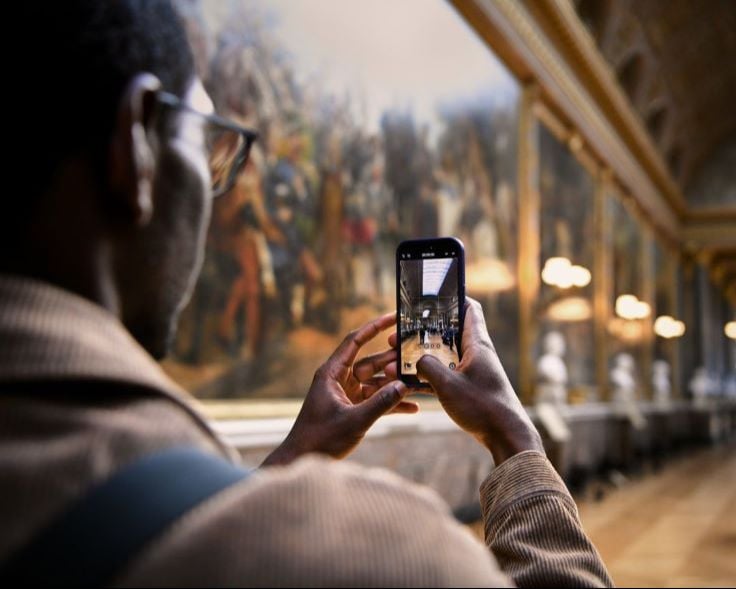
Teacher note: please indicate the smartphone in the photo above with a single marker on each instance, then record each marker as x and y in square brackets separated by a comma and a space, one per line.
[430, 303]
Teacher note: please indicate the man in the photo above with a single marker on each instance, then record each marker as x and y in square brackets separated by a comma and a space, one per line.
[105, 244]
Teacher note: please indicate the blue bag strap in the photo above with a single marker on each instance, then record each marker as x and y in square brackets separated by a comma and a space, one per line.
[101, 532]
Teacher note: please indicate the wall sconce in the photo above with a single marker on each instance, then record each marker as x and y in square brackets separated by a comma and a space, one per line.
[627, 331]
[570, 309]
[629, 307]
[668, 327]
[488, 276]
[560, 272]
[730, 329]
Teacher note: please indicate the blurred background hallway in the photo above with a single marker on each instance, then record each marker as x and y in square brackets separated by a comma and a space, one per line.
[673, 528]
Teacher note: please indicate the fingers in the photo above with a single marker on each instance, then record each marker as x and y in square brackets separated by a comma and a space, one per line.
[442, 378]
[391, 370]
[393, 340]
[406, 407]
[368, 390]
[366, 367]
[383, 401]
[372, 384]
[347, 351]
[475, 331]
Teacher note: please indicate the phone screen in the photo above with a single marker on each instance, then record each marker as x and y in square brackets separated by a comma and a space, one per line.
[430, 293]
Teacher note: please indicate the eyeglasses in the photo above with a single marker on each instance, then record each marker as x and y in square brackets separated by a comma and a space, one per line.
[228, 145]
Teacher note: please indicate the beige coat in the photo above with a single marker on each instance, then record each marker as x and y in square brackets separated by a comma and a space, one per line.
[79, 399]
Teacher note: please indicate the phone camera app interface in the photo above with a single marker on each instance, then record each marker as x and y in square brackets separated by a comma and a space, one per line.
[429, 315]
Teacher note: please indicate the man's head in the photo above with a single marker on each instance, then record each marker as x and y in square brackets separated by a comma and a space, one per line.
[117, 187]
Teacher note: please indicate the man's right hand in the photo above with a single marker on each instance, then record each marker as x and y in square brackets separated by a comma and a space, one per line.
[478, 395]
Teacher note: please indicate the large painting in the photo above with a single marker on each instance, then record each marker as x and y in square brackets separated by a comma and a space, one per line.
[379, 121]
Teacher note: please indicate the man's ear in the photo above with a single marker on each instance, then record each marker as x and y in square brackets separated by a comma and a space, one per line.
[131, 157]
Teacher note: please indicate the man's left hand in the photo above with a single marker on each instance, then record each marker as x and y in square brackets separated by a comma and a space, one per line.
[346, 398]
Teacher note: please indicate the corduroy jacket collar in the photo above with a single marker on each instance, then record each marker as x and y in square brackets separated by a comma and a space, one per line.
[48, 334]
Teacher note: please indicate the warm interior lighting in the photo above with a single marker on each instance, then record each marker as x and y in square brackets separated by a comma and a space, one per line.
[730, 329]
[488, 276]
[580, 276]
[626, 306]
[626, 331]
[629, 307]
[560, 272]
[570, 309]
[554, 270]
[668, 327]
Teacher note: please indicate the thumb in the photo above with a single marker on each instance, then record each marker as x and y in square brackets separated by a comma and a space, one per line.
[439, 376]
[381, 402]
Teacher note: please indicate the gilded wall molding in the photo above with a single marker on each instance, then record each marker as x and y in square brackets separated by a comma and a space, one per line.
[529, 236]
[709, 236]
[603, 284]
[718, 214]
[508, 25]
[583, 54]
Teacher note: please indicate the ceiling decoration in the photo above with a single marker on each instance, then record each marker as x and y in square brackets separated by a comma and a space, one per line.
[714, 184]
[676, 62]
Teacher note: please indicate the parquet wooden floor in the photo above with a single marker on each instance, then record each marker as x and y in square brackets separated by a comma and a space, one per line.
[672, 528]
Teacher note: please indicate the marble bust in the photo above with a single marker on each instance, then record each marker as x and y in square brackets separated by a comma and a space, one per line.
[623, 383]
[661, 382]
[623, 380]
[552, 371]
[700, 385]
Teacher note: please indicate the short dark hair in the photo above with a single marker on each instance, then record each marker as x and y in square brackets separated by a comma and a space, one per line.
[83, 54]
